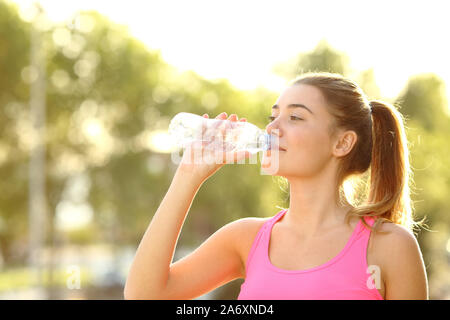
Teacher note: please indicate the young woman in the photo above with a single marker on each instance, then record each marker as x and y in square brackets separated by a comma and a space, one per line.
[322, 246]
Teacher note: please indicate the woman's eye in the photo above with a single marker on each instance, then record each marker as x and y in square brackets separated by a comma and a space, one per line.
[271, 118]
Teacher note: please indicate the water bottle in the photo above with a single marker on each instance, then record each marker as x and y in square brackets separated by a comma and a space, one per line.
[223, 135]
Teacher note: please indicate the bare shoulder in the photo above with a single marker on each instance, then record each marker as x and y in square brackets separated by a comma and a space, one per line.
[394, 234]
[398, 250]
[244, 233]
[390, 238]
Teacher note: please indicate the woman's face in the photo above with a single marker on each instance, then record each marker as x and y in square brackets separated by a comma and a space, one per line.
[303, 131]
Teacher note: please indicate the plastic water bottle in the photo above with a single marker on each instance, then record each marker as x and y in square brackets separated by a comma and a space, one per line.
[223, 135]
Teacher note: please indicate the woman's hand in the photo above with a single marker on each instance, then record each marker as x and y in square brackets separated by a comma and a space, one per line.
[203, 158]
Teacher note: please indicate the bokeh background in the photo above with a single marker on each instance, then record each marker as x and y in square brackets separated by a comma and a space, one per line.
[87, 90]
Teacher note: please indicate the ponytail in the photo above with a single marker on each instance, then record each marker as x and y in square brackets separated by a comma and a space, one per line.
[390, 173]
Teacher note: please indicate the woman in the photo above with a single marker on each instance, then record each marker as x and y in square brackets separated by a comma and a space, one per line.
[322, 247]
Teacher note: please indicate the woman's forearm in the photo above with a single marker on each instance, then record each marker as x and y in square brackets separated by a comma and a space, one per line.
[150, 268]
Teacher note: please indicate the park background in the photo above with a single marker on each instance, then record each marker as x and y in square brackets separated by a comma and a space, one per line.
[87, 90]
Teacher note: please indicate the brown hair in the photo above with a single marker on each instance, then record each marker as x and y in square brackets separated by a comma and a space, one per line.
[380, 152]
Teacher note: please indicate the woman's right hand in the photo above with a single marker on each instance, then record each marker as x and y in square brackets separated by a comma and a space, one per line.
[202, 161]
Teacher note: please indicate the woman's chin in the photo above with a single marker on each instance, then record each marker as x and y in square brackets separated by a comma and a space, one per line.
[270, 162]
[270, 168]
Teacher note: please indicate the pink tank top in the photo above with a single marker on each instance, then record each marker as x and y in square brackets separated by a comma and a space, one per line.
[345, 277]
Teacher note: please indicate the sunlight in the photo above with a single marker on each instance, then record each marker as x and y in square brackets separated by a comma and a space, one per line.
[72, 216]
[93, 129]
[160, 141]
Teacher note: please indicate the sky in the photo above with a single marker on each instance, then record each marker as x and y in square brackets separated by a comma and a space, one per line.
[242, 40]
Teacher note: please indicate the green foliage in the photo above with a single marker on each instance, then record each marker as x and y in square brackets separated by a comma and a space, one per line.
[14, 56]
[424, 100]
[14, 51]
[323, 58]
[366, 80]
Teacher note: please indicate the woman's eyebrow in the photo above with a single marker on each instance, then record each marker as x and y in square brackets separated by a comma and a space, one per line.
[293, 105]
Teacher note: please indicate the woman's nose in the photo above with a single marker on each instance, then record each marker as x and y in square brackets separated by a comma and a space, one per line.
[273, 129]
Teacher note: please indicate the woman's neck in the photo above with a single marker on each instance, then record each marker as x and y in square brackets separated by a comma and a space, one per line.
[313, 206]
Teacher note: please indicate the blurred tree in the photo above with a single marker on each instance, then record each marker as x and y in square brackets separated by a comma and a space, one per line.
[14, 58]
[325, 58]
[424, 100]
[430, 164]
[322, 58]
[366, 80]
[424, 103]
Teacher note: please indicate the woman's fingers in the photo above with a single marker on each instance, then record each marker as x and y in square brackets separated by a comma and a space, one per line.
[223, 115]
[223, 126]
[213, 139]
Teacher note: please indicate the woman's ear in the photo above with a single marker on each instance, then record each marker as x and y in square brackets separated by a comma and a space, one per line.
[344, 144]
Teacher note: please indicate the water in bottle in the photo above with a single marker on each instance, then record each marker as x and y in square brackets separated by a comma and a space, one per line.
[225, 135]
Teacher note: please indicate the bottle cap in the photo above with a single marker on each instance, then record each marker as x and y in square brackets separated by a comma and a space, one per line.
[264, 141]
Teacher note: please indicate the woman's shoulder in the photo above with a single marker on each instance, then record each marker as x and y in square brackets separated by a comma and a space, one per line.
[246, 230]
[391, 242]
[248, 227]
[253, 221]
[243, 230]
[400, 256]
[388, 231]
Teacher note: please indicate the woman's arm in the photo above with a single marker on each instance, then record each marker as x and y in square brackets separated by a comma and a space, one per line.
[149, 271]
